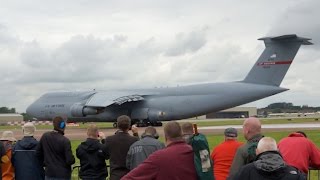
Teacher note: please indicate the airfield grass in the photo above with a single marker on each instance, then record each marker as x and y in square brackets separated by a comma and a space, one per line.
[201, 123]
[216, 139]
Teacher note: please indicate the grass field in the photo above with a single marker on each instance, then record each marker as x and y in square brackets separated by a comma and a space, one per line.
[200, 123]
[214, 140]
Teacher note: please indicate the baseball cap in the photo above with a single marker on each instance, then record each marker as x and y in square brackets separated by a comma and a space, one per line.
[231, 132]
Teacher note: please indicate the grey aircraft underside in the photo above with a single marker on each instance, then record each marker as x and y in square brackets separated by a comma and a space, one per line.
[151, 106]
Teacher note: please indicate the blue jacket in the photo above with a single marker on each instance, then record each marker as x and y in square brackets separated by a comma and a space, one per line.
[24, 160]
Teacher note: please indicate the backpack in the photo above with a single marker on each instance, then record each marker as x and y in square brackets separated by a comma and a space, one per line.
[252, 146]
[202, 160]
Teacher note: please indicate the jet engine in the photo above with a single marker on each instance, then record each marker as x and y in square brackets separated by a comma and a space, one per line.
[156, 115]
[78, 110]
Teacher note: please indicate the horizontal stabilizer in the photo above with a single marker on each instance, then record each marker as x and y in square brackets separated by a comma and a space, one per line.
[275, 60]
[288, 38]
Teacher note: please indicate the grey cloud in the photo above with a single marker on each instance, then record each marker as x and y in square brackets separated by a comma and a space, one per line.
[301, 19]
[6, 38]
[187, 43]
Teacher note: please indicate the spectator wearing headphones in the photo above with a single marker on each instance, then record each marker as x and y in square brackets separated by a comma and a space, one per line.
[54, 150]
[140, 150]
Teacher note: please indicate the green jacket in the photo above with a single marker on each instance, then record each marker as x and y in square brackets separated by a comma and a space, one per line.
[241, 157]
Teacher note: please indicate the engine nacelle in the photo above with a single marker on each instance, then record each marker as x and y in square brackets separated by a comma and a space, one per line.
[156, 115]
[78, 110]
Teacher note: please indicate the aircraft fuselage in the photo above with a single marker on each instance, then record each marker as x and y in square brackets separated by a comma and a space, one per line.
[166, 103]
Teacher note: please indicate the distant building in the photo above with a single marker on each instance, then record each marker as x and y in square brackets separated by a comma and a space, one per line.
[236, 112]
[6, 118]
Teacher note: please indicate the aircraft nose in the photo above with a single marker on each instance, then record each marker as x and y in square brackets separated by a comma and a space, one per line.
[30, 110]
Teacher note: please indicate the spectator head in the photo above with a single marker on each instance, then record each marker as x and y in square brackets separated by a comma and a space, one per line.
[302, 133]
[230, 133]
[123, 123]
[251, 127]
[93, 131]
[8, 136]
[151, 131]
[266, 144]
[59, 124]
[28, 129]
[172, 132]
[187, 128]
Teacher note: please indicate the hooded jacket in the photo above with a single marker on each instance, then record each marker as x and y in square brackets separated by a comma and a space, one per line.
[24, 160]
[304, 154]
[242, 155]
[269, 165]
[92, 155]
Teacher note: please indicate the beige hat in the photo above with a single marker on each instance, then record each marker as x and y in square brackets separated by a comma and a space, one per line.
[28, 129]
[7, 136]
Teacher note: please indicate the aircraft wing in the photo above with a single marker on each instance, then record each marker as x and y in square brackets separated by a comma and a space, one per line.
[104, 99]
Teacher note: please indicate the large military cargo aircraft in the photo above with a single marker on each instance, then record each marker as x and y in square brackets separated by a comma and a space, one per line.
[151, 106]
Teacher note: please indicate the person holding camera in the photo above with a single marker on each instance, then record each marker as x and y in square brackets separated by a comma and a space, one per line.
[93, 155]
[140, 150]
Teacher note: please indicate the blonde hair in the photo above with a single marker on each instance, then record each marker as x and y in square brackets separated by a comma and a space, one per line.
[93, 130]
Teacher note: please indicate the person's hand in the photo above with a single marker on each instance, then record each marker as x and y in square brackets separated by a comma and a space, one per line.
[134, 129]
[102, 135]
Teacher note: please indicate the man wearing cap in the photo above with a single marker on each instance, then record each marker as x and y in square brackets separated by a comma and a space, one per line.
[223, 154]
[6, 167]
[24, 160]
[54, 150]
[140, 150]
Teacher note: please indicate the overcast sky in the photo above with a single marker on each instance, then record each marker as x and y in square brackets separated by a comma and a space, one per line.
[104, 44]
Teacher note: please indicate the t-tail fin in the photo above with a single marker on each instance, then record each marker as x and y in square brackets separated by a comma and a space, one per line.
[276, 59]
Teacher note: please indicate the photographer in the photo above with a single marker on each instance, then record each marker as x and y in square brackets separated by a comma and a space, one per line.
[140, 150]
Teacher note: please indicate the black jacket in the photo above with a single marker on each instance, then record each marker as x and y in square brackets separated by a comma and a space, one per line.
[92, 155]
[26, 164]
[268, 166]
[118, 146]
[55, 151]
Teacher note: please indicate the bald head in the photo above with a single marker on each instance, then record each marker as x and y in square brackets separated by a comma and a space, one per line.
[251, 127]
[266, 144]
[172, 131]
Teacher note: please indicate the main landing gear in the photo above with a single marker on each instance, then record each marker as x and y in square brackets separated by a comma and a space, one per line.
[142, 123]
[146, 123]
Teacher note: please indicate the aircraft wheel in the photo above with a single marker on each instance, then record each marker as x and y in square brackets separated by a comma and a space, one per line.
[115, 125]
[156, 123]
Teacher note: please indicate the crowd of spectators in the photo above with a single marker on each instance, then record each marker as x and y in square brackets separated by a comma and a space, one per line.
[185, 154]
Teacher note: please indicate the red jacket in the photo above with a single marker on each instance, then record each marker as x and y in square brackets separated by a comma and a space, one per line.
[222, 157]
[299, 152]
[173, 162]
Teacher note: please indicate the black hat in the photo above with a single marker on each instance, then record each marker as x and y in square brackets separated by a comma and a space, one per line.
[231, 132]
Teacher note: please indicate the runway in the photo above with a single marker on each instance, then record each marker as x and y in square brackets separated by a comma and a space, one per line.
[81, 134]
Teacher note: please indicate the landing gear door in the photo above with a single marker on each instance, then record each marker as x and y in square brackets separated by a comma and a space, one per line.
[140, 113]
